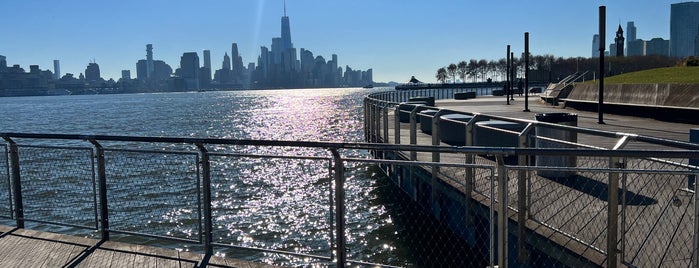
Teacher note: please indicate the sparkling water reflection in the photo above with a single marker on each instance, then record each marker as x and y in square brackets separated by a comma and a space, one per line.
[280, 204]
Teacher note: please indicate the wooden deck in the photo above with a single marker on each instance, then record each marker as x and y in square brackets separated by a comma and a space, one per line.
[28, 248]
[657, 229]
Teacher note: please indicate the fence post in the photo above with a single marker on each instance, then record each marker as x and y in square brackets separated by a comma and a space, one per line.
[691, 184]
[206, 196]
[435, 156]
[385, 124]
[102, 184]
[613, 213]
[693, 138]
[522, 194]
[16, 182]
[413, 131]
[396, 125]
[341, 251]
[502, 211]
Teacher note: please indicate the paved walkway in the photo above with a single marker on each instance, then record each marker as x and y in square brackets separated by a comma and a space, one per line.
[28, 248]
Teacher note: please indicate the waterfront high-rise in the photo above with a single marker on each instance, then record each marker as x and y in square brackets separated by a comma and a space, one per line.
[3, 64]
[684, 23]
[207, 65]
[56, 69]
[149, 61]
[189, 70]
[92, 72]
[125, 74]
[630, 32]
[595, 46]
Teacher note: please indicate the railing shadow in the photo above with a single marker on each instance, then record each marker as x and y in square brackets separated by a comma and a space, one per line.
[600, 190]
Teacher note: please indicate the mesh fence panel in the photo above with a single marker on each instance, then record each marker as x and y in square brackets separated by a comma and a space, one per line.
[157, 192]
[58, 185]
[427, 221]
[658, 218]
[5, 196]
[273, 204]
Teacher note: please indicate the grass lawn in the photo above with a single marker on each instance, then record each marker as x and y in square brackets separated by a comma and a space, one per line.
[669, 75]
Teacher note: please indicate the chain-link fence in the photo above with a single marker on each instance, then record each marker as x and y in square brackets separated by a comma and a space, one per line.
[308, 203]
[59, 185]
[5, 196]
[154, 193]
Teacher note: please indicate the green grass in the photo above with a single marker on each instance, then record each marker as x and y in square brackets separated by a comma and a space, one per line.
[669, 75]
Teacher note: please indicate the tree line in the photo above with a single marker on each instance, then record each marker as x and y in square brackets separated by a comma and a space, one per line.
[548, 68]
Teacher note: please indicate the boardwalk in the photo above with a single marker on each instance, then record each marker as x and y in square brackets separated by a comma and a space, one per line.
[658, 219]
[28, 248]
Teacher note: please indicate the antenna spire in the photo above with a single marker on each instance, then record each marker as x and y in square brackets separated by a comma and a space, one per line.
[284, 8]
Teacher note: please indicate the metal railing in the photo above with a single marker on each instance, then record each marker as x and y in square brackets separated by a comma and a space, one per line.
[622, 168]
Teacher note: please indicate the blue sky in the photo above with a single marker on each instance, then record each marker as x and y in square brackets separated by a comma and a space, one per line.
[397, 39]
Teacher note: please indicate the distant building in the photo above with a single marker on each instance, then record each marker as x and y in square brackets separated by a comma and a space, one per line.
[56, 69]
[92, 72]
[595, 46]
[189, 70]
[658, 46]
[636, 47]
[684, 20]
[619, 42]
[126, 74]
[630, 32]
[150, 68]
[207, 64]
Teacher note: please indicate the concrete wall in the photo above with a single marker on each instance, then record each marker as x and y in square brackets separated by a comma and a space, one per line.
[675, 95]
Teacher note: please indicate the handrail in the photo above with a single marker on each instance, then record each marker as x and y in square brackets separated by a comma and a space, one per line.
[684, 153]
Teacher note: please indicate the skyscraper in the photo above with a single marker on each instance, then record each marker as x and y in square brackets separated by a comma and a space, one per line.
[207, 65]
[189, 70]
[207, 59]
[684, 22]
[56, 69]
[149, 61]
[595, 46]
[92, 72]
[126, 74]
[286, 32]
[630, 32]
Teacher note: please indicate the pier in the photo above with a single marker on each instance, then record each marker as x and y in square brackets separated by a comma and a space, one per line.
[555, 214]
[28, 248]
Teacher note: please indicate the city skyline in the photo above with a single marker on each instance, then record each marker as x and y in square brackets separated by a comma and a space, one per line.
[366, 34]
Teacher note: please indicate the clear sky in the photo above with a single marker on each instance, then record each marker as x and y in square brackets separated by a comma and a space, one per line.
[397, 38]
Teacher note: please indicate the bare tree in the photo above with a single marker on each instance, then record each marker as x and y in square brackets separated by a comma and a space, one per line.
[441, 74]
[462, 70]
[451, 70]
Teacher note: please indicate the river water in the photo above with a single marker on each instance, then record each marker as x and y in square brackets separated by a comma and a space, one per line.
[273, 204]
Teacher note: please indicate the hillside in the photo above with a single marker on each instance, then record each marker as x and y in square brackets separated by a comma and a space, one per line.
[669, 75]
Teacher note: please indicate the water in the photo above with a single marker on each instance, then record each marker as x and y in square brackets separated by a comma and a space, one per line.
[266, 203]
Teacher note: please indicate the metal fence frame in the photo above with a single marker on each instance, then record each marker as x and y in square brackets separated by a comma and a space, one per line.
[338, 241]
[379, 105]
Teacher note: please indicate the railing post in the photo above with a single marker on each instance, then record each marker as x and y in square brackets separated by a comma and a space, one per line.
[696, 225]
[206, 196]
[377, 122]
[522, 194]
[385, 123]
[341, 251]
[396, 125]
[413, 131]
[613, 213]
[502, 211]
[16, 182]
[435, 156]
[102, 184]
